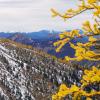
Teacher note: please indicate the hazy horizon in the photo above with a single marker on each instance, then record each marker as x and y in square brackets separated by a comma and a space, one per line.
[35, 15]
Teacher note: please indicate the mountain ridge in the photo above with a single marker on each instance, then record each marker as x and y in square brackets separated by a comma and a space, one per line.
[44, 40]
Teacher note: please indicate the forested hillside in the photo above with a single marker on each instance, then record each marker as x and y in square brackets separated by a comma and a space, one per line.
[29, 74]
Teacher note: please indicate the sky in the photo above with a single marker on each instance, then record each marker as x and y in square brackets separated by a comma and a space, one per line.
[35, 15]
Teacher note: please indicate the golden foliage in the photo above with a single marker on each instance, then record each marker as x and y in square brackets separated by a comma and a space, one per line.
[82, 50]
[92, 1]
[85, 5]
[89, 77]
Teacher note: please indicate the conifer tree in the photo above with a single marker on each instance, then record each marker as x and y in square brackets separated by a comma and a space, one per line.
[83, 51]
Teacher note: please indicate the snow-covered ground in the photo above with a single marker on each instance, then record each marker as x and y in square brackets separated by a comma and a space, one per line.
[7, 75]
[25, 74]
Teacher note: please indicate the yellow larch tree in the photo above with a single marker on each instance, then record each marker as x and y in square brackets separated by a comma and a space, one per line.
[83, 51]
[89, 77]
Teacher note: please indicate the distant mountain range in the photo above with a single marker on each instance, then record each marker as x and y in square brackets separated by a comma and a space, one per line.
[43, 39]
[43, 34]
[5, 35]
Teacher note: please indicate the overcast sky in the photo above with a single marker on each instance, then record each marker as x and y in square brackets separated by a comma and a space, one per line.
[34, 15]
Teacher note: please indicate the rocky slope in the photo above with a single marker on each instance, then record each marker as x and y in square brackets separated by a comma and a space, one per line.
[29, 74]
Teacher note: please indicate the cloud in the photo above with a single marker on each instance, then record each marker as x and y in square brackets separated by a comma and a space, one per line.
[34, 15]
